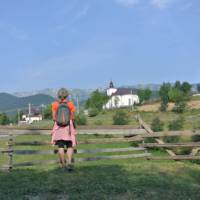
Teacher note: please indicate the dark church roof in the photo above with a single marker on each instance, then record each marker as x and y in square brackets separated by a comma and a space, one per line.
[125, 91]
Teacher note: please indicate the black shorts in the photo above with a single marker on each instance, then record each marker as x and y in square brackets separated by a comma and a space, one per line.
[63, 143]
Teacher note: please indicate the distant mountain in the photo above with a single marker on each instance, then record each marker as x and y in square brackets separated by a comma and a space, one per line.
[77, 95]
[10, 103]
[153, 87]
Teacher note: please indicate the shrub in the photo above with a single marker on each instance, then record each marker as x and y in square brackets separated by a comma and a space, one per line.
[176, 124]
[93, 112]
[163, 107]
[179, 107]
[4, 120]
[47, 112]
[195, 138]
[81, 119]
[171, 139]
[120, 118]
[157, 125]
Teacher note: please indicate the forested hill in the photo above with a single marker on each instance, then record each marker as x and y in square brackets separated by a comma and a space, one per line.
[10, 103]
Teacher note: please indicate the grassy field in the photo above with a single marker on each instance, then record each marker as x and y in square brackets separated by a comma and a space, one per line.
[105, 119]
[120, 179]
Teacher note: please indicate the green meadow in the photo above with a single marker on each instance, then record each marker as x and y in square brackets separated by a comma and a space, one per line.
[125, 179]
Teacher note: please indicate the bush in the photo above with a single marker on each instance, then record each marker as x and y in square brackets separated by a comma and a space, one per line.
[157, 125]
[93, 112]
[195, 138]
[176, 124]
[81, 119]
[120, 118]
[171, 139]
[179, 107]
[4, 120]
[47, 112]
[163, 107]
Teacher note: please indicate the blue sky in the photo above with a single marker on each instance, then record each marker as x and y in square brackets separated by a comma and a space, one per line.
[85, 43]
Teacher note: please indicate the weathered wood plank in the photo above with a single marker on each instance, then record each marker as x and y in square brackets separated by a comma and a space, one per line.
[170, 133]
[110, 150]
[171, 145]
[148, 129]
[110, 140]
[177, 157]
[102, 131]
[79, 151]
[6, 151]
[90, 141]
[113, 157]
[32, 143]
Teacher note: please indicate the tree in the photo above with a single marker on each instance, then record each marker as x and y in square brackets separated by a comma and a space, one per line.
[144, 94]
[120, 118]
[180, 94]
[198, 87]
[157, 125]
[186, 88]
[18, 116]
[4, 120]
[80, 119]
[164, 96]
[175, 94]
[96, 100]
[47, 112]
[177, 85]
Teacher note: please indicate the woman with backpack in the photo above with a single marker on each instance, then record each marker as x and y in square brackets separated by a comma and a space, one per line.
[64, 133]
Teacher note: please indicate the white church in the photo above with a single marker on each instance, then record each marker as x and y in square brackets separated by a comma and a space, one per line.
[120, 97]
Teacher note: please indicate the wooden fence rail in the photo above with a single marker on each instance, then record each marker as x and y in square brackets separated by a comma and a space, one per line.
[171, 145]
[10, 151]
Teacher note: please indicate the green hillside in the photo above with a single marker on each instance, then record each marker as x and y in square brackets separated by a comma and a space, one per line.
[10, 103]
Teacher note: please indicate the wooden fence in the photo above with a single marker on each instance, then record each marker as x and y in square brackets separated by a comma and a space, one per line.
[11, 152]
[128, 152]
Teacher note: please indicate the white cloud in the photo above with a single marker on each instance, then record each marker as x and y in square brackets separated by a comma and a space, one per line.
[127, 2]
[161, 3]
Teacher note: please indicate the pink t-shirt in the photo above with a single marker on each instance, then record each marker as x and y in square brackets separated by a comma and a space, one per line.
[64, 133]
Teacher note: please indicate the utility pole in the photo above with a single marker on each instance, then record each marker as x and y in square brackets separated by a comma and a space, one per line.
[77, 103]
[18, 116]
[29, 112]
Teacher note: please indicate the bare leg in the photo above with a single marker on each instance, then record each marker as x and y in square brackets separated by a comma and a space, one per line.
[70, 152]
[61, 154]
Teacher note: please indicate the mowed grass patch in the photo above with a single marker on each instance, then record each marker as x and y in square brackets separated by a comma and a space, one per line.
[117, 179]
[97, 180]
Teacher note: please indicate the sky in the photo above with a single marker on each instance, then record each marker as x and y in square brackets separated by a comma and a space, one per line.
[86, 43]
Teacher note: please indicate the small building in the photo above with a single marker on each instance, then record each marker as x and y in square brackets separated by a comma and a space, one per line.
[120, 97]
[33, 114]
[29, 119]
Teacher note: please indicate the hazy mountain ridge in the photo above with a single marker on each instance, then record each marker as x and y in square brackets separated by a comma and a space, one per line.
[10, 103]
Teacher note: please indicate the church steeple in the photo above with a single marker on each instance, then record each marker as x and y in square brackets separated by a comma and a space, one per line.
[111, 85]
[111, 90]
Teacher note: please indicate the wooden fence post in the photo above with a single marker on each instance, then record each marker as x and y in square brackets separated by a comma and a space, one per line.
[10, 153]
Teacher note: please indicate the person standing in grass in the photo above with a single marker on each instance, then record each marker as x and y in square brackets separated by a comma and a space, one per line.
[64, 133]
